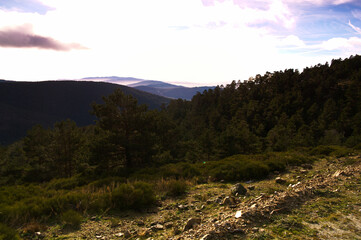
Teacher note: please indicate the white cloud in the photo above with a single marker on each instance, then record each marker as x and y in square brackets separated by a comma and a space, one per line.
[291, 41]
[346, 46]
[141, 38]
[357, 29]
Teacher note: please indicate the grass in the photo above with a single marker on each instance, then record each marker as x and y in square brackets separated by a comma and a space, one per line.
[51, 202]
[328, 213]
[7, 233]
[71, 219]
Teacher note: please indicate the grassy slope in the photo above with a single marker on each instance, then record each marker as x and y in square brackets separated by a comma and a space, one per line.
[332, 211]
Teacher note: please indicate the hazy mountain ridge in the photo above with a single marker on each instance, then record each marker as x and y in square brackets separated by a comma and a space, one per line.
[24, 104]
[155, 87]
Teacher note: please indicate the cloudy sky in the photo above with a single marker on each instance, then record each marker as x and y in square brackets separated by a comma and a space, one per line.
[204, 42]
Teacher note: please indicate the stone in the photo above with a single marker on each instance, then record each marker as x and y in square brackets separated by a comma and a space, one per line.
[303, 171]
[228, 201]
[191, 223]
[237, 232]
[252, 187]
[307, 166]
[207, 237]
[168, 224]
[140, 223]
[280, 180]
[182, 207]
[125, 234]
[238, 214]
[238, 189]
[159, 226]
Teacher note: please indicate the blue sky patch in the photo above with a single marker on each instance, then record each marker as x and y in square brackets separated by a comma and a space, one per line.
[29, 6]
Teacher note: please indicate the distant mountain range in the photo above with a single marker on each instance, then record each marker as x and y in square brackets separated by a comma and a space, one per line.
[155, 87]
[25, 104]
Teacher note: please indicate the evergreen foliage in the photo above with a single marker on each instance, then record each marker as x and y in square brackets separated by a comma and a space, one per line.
[241, 131]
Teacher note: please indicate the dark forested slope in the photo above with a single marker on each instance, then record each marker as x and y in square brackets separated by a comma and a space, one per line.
[276, 111]
[24, 104]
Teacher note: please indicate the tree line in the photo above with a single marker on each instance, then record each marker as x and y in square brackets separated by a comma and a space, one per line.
[274, 112]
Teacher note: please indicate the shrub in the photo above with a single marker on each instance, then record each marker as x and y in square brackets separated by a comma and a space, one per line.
[134, 196]
[7, 233]
[336, 151]
[176, 188]
[65, 183]
[321, 150]
[358, 146]
[71, 219]
[107, 182]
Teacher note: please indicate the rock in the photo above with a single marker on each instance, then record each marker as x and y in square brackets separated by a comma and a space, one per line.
[140, 223]
[176, 231]
[307, 166]
[252, 187]
[238, 214]
[339, 173]
[39, 235]
[303, 171]
[280, 180]
[168, 224]
[207, 237]
[191, 223]
[237, 232]
[159, 227]
[238, 189]
[228, 201]
[182, 207]
[125, 234]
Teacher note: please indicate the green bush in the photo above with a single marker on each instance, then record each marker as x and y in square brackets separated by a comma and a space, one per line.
[176, 187]
[71, 219]
[65, 183]
[133, 196]
[107, 181]
[7, 233]
[321, 150]
[336, 151]
[358, 146]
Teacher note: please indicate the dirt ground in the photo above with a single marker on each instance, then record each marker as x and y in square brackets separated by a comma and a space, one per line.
[319, 201]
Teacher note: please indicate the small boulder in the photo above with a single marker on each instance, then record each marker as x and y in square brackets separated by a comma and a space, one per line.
[168, 224]
[280, 180]
[251, 187]
[191, 223]
[238, 214]
[238, 189]
[307, 166]
[228, 201]
[183, 207]
[207, 237]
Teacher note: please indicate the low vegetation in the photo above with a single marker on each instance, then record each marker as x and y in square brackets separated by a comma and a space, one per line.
[132, 157]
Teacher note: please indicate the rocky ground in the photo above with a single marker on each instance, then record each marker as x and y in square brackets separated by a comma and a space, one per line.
[319, 201]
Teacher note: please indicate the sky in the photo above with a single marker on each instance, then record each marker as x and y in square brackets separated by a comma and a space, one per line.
[188, 42]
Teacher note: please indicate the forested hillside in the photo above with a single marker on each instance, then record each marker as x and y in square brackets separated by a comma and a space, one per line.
[25, 104]
[242, 131]
[276, 111]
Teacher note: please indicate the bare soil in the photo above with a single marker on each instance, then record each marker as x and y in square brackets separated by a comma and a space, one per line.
[322, 201]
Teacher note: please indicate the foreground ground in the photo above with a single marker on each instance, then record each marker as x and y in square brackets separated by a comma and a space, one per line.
[319, 201]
